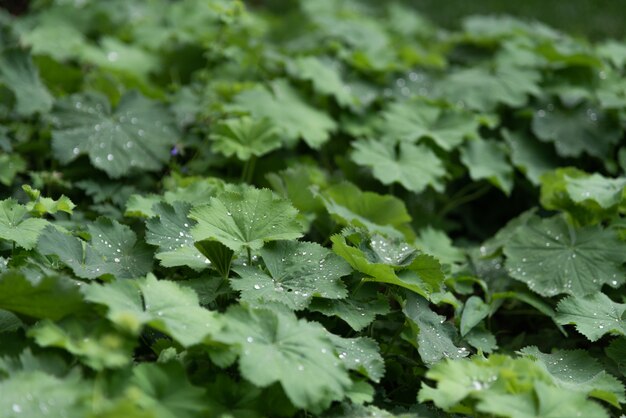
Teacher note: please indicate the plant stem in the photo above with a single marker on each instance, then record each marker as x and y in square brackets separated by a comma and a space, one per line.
[248, 170]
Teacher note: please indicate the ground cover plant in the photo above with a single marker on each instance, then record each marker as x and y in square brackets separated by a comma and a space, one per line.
[212, 210]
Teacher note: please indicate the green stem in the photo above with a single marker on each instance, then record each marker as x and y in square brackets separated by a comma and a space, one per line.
[249, 256]
[248, 170]
[461, 200]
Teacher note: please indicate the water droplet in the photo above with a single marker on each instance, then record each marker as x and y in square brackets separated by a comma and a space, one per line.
[160, 313]
[112, 56]
[16, 408]
[541, 113]
[110, 157]
[117, 260]
[257, 287]
[76, 151]
[250, 339]
[141, 132]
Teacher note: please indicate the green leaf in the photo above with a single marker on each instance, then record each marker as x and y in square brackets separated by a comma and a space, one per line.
[93, 342]
[616, 351]
[46, 297]
[245, 137]
[324, 76]
[170, 230]
[412, 121]
[483, 89]
[113, 249]
[423, 275]
[296, 272]
[414, 166]
[439, 245]
[474, 311]
[288, 112]
[606, 192]
[435, 339]
[278, 347]
[161, 304]
[361, 354]
[19, 74]
[593, 316]
[36, 394]
[16, 226]
[246, 218]
[138, 135]
[44, 205]
[531, 157]
[552, 257]
[574, 131]
[545, 402]
[10, 166]
[166, 390]
[488, 160]
[577, 371]
[349, 205]
[218, 254]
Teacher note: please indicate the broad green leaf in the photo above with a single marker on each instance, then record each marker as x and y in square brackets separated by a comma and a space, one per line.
[19, 74]
[138, 135]
[422, 276]
[115, 55]
[113, 249]
[361, 354]
[593, 316]
[17, 226]
[552, 257]
[545, 402]
[246, 218]
[166, 389]
[439, 245]
[10, 166]
[531, 157]
[480, 378]
[606, 192]
[414, 166]
[584, 129]
[488, 160]
[295, 182]
[412, 121]
[160, 304]
[245, 137]
[616, 351]
[433, 337]
[296, 272]
[37, 394]
[295, 118]
[324, 76]
[47, 297]
[483, 89]
[278, 347]
[170, 230]
[577, 371]
[44, 205]
[218, 254]
[9, 321]
[352, 410]
[359, 310]
[474, 311]
[350, 206]
[93, 342]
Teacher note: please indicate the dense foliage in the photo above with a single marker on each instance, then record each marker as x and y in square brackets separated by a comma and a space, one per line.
[338, 211]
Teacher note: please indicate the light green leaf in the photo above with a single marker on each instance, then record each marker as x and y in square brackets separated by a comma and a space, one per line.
[93, 342]
[166, 389]
[288, 112]
[245, 137]
[593, 316]
[411, 121]
[47, 297]
[552, 257]
[138, 135]
[10, 166]
[296, 272]
[16, 226]
[324, 76]
[44, 205]
[113, 249]
[474, 311]
[246, 218]
[439, 245]
[606, 192]
[577, 371]
[36, 394]
[574, 131]
[19, 74]
[350, 206]
[278, 347]
[170, 230]
[361, 354]
[161, 304]
[531, 157]
[433, 337]
[488, 160]
[414, 166]
[545, 402]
